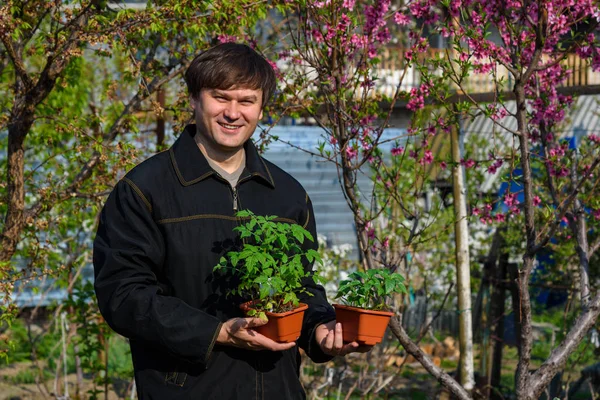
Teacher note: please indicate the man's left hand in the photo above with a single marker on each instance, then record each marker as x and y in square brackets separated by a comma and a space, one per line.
[329, 336]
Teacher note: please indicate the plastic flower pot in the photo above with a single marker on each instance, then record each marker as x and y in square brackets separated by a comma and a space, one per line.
[360, 325]
[282, 327]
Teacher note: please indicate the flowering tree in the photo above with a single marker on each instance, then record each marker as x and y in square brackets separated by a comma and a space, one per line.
[335, 65]
[558, 183]
[332, 70]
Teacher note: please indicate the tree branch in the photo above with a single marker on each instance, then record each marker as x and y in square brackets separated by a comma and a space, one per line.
[17, 62]
[541, 378]
[411, 348]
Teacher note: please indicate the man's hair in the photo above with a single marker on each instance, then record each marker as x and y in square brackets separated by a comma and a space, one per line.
[230, 65]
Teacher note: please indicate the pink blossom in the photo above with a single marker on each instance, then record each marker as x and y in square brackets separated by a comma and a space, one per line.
[596, 214]
[427, 158]
[417, 101]
[372, 53]
[227, 39]
[343, 23]
[396, 151]
[499, 217]
[510, 199]
[401, 19]
[468, 163]
[537, 201]
[443, 165]
[317, 36]
[476, 211]
[384, 36]
[275, 68]
[321, 4]
[351, 152]
[349, 4]
[492, 169]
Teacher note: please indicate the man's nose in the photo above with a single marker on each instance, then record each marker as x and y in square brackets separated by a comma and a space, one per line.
[232, 110]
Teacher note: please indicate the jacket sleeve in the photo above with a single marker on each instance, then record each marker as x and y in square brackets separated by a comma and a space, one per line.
[319, 310]
[128, 250]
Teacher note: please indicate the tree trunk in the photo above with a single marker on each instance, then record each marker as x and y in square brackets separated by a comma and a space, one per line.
[14, 220]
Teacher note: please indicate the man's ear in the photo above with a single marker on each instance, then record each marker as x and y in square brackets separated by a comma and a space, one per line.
[261, 115]
[193, 103]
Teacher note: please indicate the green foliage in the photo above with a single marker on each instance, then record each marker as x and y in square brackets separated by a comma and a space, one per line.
[370, 289]
[93, 334]
[270, 265]
[23, 348]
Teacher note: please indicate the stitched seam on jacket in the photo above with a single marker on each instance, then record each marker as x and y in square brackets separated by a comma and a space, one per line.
[212, 343]
[268, 172]
[180, 176]
[216, 216]
[193, 217]
[139, 193]
[307, 219]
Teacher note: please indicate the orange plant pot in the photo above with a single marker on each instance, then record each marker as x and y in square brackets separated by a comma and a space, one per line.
[360, 325]
[282, 327]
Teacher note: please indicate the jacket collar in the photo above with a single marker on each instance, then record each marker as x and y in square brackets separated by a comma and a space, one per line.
[191, 166]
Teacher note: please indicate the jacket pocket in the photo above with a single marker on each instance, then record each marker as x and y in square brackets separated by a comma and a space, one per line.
[175, 378]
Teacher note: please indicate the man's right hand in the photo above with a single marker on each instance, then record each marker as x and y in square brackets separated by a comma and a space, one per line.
[238, 332]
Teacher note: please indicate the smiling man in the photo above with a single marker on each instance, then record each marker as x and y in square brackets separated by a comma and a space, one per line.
[167, 223]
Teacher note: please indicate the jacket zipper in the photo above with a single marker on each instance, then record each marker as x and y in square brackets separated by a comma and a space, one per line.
[235, 199]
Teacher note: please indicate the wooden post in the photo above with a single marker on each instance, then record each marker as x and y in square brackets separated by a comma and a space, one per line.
[463, 269]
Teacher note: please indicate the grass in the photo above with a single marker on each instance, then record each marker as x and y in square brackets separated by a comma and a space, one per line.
[28, 376]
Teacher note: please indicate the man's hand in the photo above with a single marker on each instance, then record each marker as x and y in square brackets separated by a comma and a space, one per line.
[330, 337]
[238, 332]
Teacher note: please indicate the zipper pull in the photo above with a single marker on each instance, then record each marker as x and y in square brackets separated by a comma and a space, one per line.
[235, 199]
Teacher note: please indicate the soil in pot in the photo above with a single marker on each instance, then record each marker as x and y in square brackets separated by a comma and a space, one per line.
[363, 326]
[282, 327]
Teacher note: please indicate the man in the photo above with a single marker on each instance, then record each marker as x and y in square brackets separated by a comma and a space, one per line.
[171, 218]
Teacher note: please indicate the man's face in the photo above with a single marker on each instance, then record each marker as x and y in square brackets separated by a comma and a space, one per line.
[227, 118]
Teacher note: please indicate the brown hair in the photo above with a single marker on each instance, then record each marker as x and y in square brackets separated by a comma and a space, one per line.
[230, 65]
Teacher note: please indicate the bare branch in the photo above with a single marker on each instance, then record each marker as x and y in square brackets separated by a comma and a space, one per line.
[17, 61]
[414, 350]
[558, 358]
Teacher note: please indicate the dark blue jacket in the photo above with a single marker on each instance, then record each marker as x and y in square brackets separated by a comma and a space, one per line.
[162, 230]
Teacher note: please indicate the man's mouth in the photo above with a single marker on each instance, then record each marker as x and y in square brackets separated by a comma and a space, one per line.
[229, 126]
